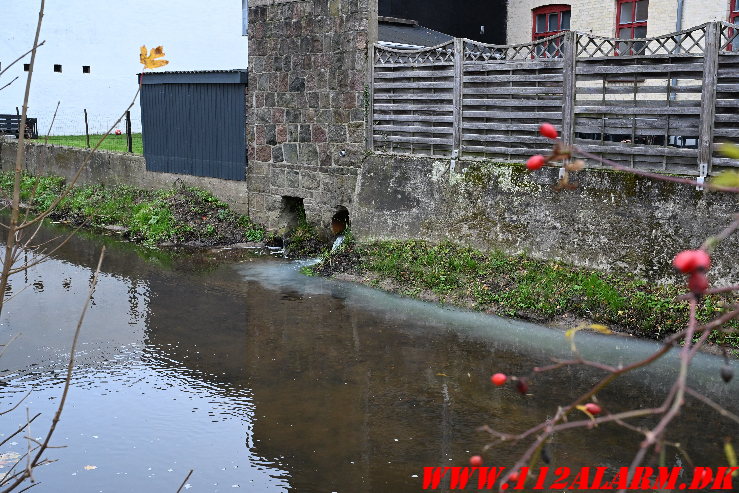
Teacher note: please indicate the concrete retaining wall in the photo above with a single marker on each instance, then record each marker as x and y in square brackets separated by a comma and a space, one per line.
[613, 220]
[115, 168]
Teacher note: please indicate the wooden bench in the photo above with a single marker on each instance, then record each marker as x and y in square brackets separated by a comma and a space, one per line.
[10, 124]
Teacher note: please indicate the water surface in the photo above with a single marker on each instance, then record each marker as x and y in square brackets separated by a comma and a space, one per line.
[258, 377]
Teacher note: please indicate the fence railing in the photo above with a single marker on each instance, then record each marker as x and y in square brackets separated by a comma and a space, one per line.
[656, 103]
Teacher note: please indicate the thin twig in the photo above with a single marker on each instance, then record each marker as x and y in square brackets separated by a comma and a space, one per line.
[185, 481]
[67, 382]
[22, 56]
[6, 85]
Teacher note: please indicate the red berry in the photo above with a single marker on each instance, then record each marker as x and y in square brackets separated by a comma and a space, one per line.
[499, 379]
[118, 132]
[535, 162]
[689, 261]
[548, 130]
[513, 477]
[698, 282]
[522, 386]
[476, 460]
[593, 408]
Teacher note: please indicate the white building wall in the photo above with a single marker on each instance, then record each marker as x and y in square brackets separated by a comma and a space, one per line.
[599, 16]
[195, 34]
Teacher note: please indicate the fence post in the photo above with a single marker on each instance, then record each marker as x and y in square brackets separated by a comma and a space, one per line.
[372, 38]
[569, 62]
[129, 137]
[457, 98]
[708, 100]
[87, 130]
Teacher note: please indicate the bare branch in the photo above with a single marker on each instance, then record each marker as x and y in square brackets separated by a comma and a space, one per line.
[185, 481]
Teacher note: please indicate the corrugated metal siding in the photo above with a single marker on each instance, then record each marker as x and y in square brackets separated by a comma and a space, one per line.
[195, 129]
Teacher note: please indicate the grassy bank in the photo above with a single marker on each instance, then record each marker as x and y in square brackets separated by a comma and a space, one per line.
[111, 143]
[519, 286]
[183, 215]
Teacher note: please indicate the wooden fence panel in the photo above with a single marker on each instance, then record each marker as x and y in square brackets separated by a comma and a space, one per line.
[645, 103]
[413, 101]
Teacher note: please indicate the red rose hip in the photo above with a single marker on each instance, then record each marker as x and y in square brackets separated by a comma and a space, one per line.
[499, 379]
[548, 130]
[698, 282]
[535, 162]
[476, 460]
[593, 408]
[689, 261]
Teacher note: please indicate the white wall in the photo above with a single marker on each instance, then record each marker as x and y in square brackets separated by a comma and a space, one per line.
[196, 35]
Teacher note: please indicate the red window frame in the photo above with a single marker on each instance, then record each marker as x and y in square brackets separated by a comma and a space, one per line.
[631, 25]
[550, 49]
[733, 44]
[549, 9]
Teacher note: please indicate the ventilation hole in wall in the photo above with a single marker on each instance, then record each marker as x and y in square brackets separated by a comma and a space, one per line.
[340, 220]
[293, 211]
[85, 69]
[57, 68]
[26, 67]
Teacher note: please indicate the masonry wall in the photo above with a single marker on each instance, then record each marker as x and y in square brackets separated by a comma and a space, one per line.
[115, 168]
[599, 16]
[611, 221]
[307, 87]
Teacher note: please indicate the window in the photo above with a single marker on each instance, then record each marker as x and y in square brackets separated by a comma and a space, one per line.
[57, 68]
[85, 69]
[733, 44]
[548, 21]
[631, 23]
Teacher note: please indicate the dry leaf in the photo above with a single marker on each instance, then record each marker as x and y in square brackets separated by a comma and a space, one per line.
[570, 334]
[575, 165]
[150, 60]
[90, 468]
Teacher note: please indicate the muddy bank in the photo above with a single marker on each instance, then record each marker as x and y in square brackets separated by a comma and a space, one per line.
[177, 217]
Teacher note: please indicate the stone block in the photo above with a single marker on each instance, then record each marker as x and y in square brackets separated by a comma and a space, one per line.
[264, 153]
[290, 153]
[337, 133]
[308, 154]
[309, 180]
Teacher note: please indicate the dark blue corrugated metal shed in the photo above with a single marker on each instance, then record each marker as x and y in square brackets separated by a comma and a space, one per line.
[195, 122]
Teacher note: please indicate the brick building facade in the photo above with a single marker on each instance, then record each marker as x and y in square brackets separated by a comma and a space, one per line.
[599, 17]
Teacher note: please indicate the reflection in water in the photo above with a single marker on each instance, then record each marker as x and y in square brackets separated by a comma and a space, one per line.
[258, 377]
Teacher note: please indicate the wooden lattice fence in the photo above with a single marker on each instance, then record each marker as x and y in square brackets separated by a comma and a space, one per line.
[657, 103]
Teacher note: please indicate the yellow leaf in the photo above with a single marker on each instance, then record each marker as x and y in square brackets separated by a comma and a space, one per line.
[727, 179]
[570, 333]
[729, 150]
[90, 468]
[730, 456]
[150, 60]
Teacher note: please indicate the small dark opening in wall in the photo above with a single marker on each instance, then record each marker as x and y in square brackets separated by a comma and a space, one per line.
[57, 68]
[340, 220]
[85, 69]
[293, 211]
[26, 67]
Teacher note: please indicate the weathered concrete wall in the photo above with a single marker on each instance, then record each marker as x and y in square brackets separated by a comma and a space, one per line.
[612, 220]
[307, 79]
[115, 168]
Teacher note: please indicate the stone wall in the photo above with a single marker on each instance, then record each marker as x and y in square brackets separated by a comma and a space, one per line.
[612, 220]
[307, 97]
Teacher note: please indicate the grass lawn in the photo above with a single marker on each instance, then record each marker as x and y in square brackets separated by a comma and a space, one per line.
[112, 142]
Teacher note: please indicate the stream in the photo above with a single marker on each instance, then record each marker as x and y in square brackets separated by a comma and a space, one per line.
[259, 377]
